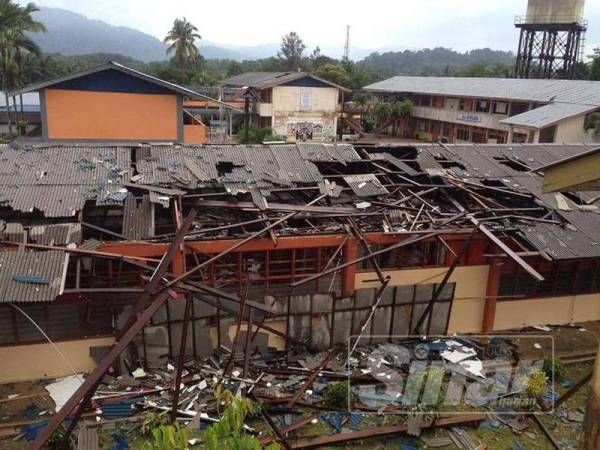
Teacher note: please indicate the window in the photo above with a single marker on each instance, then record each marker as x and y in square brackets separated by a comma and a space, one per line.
[423, 126]
[500, 108]
[463, 134]
[482, 106]
[420, 254]
[518, 108]
[560, 279]
[58, 320]
[305, 100]
[465, 104]
[425, 100]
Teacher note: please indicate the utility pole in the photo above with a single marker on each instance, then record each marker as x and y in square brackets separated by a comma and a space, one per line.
[246, 114]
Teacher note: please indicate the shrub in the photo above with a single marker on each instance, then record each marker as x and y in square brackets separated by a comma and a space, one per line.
[336, 394]
[553, 367]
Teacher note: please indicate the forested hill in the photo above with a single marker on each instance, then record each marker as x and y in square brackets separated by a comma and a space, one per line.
[70, 33]
[436, 61]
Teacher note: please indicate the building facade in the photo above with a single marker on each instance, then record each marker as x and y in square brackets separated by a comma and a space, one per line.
[296, 105]
[493, 110]
[77, 244]
[112, 102]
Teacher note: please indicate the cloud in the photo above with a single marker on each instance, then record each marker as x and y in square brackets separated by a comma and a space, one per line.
[459, 24]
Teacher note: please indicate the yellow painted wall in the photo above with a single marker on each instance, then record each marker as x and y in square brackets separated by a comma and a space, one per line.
[110, 115]
[469, 294]
[570, 131]
[287, 99]
[542, 311]
[38, 361]
[572, 174]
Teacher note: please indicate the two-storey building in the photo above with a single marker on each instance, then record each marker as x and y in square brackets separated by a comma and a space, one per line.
[493, 110]
[298, 106]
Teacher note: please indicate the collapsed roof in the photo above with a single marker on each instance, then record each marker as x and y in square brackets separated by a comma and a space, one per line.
[54, 194]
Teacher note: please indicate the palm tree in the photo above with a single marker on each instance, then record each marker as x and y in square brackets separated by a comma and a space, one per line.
[15, 21]
[182, 39]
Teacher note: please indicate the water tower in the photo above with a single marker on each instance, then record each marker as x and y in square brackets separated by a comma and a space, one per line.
[551, 39]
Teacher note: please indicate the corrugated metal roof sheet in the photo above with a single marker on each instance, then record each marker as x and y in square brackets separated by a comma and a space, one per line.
[581, 238]
[58, 179]
[543, 91]
[547, 115]
[365, 185]
[12, 231]
[260, 80]
[56, 234]
[138, 217]
[239, 167]
[49, 266]
[395, 161]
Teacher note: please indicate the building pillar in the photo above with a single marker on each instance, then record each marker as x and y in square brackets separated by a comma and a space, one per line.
[491, 296]
[511, 134]
[590, 439]
[349, 273]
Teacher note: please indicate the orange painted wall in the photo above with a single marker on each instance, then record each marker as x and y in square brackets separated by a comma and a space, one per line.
[194, 134]
[110, 115]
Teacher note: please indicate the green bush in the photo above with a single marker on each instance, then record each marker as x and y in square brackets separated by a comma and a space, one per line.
[256, 135]
[553, 367]
[228, 433]
[336, 394]
[168, 437]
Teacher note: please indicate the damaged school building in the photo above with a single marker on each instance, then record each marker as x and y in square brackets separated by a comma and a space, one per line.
[307, 244]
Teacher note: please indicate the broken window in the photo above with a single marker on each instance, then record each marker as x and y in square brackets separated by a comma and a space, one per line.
[482, 106]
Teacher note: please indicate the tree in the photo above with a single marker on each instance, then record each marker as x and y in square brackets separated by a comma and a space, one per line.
[15, 45]
[334, 73]
[182, 39]
[595, 65]
[291, 50]
[316, 53]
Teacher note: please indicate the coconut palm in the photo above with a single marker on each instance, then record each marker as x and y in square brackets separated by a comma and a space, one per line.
[182, 39]
[15, 21]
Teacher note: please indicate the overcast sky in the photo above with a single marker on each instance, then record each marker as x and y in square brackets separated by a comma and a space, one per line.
[459, 24]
